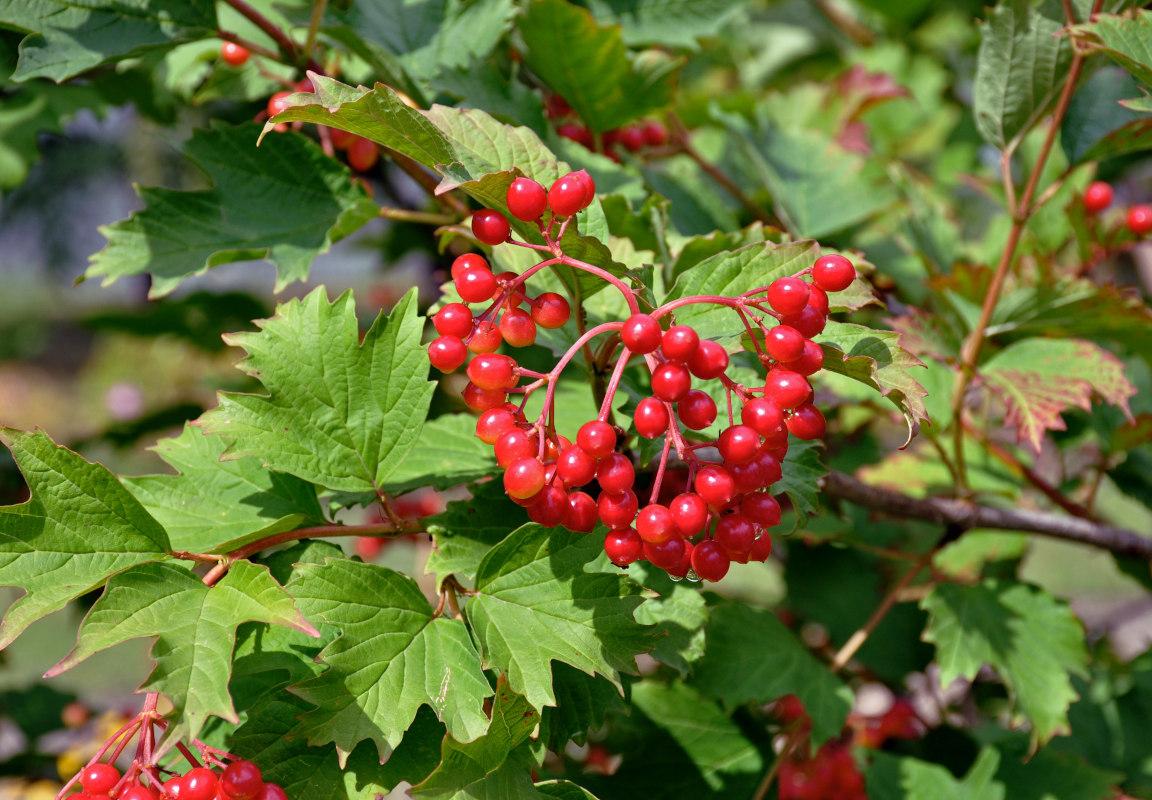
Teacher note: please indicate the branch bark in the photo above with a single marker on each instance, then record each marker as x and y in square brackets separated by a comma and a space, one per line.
[970, 515]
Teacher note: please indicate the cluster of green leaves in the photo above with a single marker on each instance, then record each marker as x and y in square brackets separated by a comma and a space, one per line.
[340, 677]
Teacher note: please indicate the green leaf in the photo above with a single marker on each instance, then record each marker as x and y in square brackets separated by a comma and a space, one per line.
[1097, 126]
[79, 528]
[670, 23]
[1033, 641]
[712, 741]
[589, 66]
[315, 772]
[1037, 379]
[339, 412]
[564, 790]
[802, 470]
[750, 656]
[536, 602]
[1021, 65]
[679, 612]
[876, 359]
[67, 38]
[1127, 40]
[27, 114]
[215, 506]
[1051, 775]
[284, 202]
[892, 777]
[467, 529]
[194, 626]
[393, 655]
[583, 703]
[446, 454]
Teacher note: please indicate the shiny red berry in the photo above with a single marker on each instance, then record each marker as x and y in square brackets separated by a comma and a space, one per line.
[550, 506]
[490, 226]
[689, 513]
[641, 333]
[761, 548]
[494, 423]
[1097, 197]
[574, 466]
[527, 199]
[806, 422]
[479, 399]
[623, 546]
[99, 778]
[788, 295]
[715, 486]
[808, 321]
[810, 361]
[656, 524]
[476, 284]
[569, 194]
[655, 134]
[618, 510]
[278, 103]
[784, 343]
[710, 561]
[709, 361]
[697, 410]
[597, 438]
[513, 445]
[786, 388]
[447, 353]
[550, 310]
[667, 553]
[199, 784]
[679, 343]
[272, 792]
[493, 371]
[485, 338]
[524, 478]
[762, 508]
[738, 444]
[234, 54]
[241, 780]
[833, 273]
[1140, 219]
[651, 418]
[467, 261]
[762, 416]
[735, 533]
[363, 154]
[671, 381]
[134, 792]
[615, 473]
[454, 319]
[581, 514]
[517, 328]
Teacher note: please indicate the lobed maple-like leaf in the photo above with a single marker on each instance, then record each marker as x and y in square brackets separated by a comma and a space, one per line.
[217, 505]
[194, 626]
[540, 599]
[79, 528]
[393, 655]
[1034, 642]
[1127, 39]
[467, 529]
[1037, 379]
[447, 454]
[891, 777]
[339, 412]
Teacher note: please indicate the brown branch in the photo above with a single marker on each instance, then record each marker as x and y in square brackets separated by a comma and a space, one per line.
[966, 515]
[859, 34]
[419, 217]
[318, 9]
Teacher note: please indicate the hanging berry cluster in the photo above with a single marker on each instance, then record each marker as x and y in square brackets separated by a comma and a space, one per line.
[215, 775]
[634, 138]
[726, 507]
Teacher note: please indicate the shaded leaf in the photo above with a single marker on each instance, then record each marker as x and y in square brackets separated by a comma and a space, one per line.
[679, 612]
[892, 777]
[1127, 40]
[467, 529]
[446, 454]
[672, 23]
[1097, 126]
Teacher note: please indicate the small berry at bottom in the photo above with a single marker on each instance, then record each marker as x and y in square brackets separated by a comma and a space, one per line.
[581, 514]
[527, 199]
[623, 546]
[524, 478]
[241, 780]
[490, 226]
[198, 784]
[833, 273]
[1140, 219]
[550, 310]
[597, 438]
[272, 792]
[99, 778]
[689, 513]
[1097, 197]
[709, 561]
[651, 418]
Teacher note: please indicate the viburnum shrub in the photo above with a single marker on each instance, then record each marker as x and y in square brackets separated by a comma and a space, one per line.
[727, 399]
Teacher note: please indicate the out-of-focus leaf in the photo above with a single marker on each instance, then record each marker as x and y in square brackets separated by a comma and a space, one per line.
[1097, 126]
[1126, 39]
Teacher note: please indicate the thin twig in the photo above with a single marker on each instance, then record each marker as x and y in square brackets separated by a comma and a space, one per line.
[285, 44]
[251, 47]
[318, 8]
[419, 217]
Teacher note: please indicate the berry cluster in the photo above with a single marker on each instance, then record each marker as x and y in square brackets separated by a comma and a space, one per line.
[726, 506]
[634, 138]
[1098, 197]
[237, 780]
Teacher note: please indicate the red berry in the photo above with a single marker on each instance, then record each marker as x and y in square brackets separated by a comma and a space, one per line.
[689, 513]
[589, 186]
[494, 423]
[617, 510]
[806, 422]
[99, 778]
[513, 445]
[278, 103]
[517, 328]
[1140, 219]
[767, 466]
[680, 343]
[454, 319]
[493, 372]
[466, 261]
[615, 473]
[575, 467]
[241, 780]
[527, 199]
[363, 154]
[623, 546]
[577, 133]
[556, 107]
[666, 554]
[341, 140]
[655, 134]
[818, 299]
[1097, 197]
[762, 508]
[490, 226]
[135, 792]
[715, 486]
[234, 54]
[549, 507]
[762, 416]
[709, 361]
[784, 343]
[198, 784]
[786, 388]
[447, 353]
[833, 273]
[641, 333]
[524, 478]
[697, 410]
[597, 438]
[479, 399]
[476, 284]
[735, 533]
[173, 787]
[272, 792]
[569, 194]
[811, 361]
[632, 138]
[485, 338]
[671, 381]
[709, 561]
[581, 514]
[550, 310]
[516, 296]
[788, 295]
[680, 569]
[656, 524]
[651, 418]
[809, 321]
[738, 444]
[761, 548]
